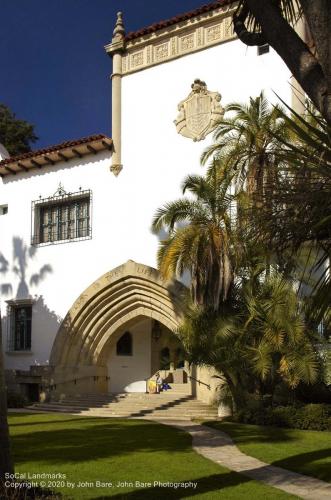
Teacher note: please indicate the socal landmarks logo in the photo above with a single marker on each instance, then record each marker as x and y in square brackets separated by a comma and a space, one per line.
[200, 113]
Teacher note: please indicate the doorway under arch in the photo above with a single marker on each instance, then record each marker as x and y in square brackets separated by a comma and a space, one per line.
[114, 304]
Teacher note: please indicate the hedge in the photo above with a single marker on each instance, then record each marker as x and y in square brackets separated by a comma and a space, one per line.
[315, 417]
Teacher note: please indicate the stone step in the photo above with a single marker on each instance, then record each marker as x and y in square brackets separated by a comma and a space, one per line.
[130, 405]
[159, 416]
[169, 405]
[133, 396]
[147, 404]
[128, 409]
[130, 395]
[202, 411]
[141, 402]
[124, 414]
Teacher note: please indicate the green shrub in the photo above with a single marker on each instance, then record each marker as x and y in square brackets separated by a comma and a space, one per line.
[16, 400]
[316, 417]
[308, 417]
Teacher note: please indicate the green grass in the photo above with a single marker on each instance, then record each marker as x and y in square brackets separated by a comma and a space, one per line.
[307, 452]
[113, 450]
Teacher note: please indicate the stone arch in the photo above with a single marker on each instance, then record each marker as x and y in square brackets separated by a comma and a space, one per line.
[119, 297]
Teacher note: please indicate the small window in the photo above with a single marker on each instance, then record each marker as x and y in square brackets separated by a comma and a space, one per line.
[165, 359]
[20, 319]
[124, 345]
[3, 209]
[263, 49]
[180, 358]
[61, 218]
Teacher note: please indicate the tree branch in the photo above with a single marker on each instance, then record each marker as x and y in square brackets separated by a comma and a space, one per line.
[247, 37]
[294, 52]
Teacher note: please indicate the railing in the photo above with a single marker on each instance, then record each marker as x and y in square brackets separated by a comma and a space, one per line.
[199, 381]
[95, 378]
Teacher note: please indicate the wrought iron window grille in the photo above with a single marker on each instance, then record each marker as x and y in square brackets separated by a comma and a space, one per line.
[61, 218]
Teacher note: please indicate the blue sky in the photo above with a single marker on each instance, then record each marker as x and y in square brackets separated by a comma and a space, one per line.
[54, 70]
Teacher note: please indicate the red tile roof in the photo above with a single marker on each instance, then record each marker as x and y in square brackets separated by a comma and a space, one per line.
[54, 154]
[177, 19]
[50, 149]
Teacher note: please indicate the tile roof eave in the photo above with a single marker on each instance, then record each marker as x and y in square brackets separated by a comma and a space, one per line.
[177, 19]
[54, 154]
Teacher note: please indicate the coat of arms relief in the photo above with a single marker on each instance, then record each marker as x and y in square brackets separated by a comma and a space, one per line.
[200, 113]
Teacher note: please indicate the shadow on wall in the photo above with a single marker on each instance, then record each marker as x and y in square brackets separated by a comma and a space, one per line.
[23, 257]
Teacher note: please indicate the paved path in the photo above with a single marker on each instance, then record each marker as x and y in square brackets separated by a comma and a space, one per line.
[219, 447]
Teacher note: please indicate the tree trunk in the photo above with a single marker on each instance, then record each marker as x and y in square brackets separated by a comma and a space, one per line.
[6, 464]
[318, 17]
[304, 66]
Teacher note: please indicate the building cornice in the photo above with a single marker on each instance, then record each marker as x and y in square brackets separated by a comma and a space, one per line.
[169, 40]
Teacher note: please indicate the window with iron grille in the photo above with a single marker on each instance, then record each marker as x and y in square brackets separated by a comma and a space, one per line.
[20, 320]
[62, 218]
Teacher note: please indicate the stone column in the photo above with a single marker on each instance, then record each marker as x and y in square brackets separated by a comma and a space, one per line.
[115, 49]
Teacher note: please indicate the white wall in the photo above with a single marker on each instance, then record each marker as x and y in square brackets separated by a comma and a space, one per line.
[155, 159]
[126, 370]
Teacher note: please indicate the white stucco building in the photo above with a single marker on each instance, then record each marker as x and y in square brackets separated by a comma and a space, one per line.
[76, 250]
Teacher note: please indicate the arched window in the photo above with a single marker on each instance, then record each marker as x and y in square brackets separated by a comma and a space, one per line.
[180, 358]
[165, 359]
[124, 345]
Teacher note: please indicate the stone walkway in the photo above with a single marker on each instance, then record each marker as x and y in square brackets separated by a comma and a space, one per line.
[219, 447]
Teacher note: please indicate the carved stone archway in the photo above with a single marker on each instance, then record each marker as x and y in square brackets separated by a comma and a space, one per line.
[119, 297]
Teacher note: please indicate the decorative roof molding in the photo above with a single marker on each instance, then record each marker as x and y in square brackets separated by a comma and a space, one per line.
[65, 151]
[119, 31]
[179, 36]
[204, 9]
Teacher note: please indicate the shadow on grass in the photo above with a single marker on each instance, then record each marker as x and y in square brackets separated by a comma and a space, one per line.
[213, 483]
[44, 422]
[308, 463]
[95, 439]
[304, 463]
[245, 433]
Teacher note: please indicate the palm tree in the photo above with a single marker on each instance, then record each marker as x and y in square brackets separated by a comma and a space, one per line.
[248, 139]
[296, 215]
[255, 341]
[199, 229]
[281, 344]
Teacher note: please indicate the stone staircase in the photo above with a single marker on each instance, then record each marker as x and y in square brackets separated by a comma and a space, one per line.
[175, 404]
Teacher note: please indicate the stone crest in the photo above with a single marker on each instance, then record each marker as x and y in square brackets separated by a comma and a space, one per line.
[199, 113]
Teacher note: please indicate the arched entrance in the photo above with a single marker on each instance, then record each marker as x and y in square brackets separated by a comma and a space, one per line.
[125, 301]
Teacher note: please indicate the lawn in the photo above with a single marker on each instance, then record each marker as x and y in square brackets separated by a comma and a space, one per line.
[308, 452]
[87, 450]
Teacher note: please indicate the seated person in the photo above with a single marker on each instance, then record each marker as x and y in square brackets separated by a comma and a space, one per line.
[159, 382]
